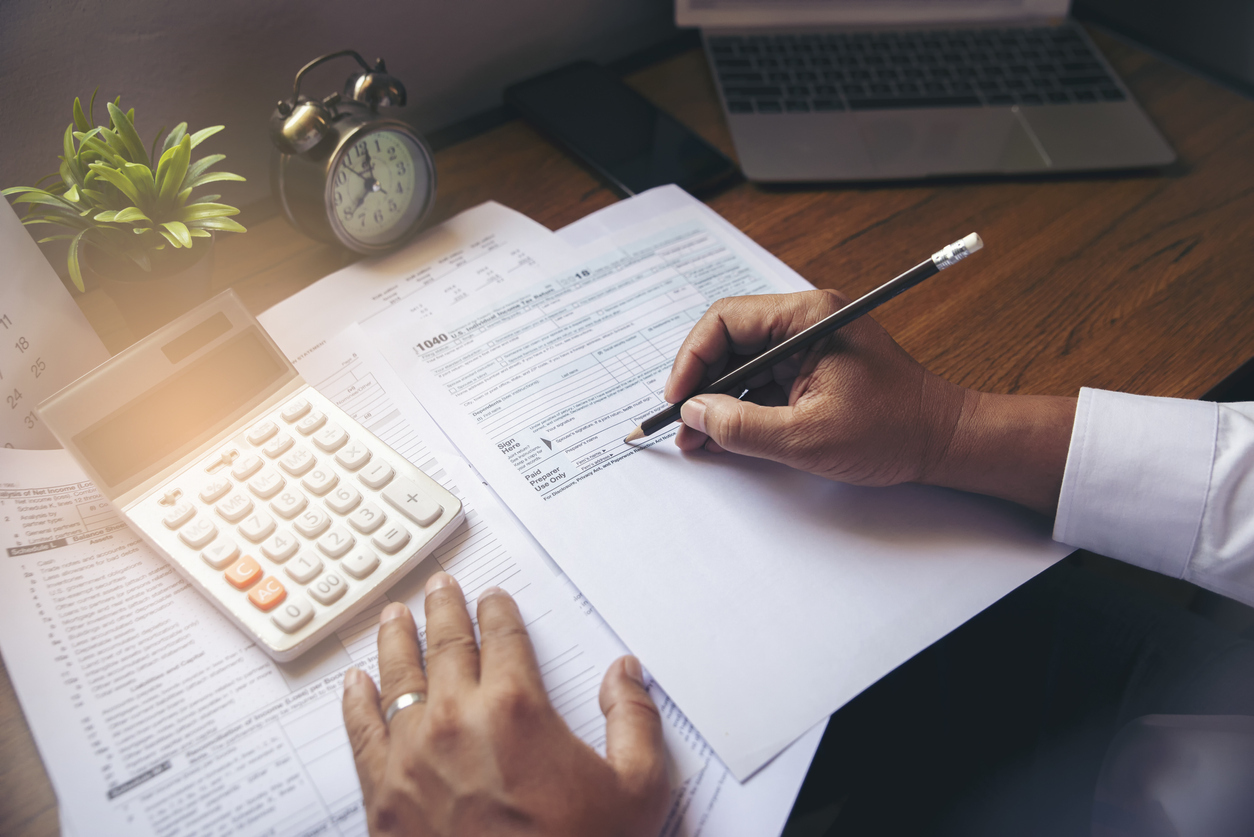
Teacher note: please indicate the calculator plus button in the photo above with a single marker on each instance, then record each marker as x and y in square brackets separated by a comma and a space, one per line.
[320, 480]
[361, 563]
[221, 554]
[336, 542]
[310, 423]
[377, 475]
[235, 506]
[246, 466]
[294, 614]
[330, 438]
[289, 504]
[294, 410]
[304, 568]
[214, 489]
[410, 500]
[277, 446]
[353, 456]
[266, 484]
[328, 589]
[199, 533]
[179, 513]
[260, 432]
[297, 462]
[312, 522]
[257, 526]
[344, 499]
[390, 539]
[267, 595]
[243, 573]
[280, 546]
[367, 518]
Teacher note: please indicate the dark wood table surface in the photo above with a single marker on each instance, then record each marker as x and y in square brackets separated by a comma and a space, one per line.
[1139, 282]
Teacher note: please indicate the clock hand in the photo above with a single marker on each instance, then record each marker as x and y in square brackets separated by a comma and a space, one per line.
[359, 174]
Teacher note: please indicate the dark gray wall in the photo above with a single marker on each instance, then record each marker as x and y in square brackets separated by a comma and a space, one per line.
[228, 61]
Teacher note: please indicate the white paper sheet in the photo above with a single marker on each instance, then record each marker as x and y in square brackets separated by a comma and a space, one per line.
[196, 713]
[795, 593]
[45, 341]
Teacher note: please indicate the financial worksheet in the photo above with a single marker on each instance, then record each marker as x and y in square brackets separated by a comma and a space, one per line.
[823, 587]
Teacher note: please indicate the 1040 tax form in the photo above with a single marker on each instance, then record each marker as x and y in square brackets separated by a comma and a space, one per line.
[761, 598]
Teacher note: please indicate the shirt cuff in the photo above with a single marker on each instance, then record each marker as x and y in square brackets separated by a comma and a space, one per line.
[1138, 472]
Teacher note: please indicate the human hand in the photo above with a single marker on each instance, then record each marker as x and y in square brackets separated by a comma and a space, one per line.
[857, 408]
[486, 753]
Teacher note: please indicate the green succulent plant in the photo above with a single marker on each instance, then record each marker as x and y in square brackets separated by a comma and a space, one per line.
[113, 196]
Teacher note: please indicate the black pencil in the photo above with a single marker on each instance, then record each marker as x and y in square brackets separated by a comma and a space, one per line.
[733, 381]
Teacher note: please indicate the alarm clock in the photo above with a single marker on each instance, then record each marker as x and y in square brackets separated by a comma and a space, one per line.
[344, 173]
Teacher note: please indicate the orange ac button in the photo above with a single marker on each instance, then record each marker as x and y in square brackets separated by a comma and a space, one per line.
[243, 572]
[267, 594]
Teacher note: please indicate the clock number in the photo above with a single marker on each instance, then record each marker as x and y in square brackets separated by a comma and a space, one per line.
[378, 216]
[400, 188]
[400, 167]
[376, 144]
[392, 206]
[341, 177]
[391, 152]
[339, 198]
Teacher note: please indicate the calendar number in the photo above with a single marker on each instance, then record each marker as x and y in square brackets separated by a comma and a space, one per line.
[38, 367]
[13, 399]
[22, 345]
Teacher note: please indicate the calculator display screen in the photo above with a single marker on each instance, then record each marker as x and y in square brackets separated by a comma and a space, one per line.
[182, 408]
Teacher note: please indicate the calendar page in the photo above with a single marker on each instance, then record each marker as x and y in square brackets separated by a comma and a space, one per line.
[45, 341]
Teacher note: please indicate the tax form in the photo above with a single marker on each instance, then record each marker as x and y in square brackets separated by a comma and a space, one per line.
[793, 592]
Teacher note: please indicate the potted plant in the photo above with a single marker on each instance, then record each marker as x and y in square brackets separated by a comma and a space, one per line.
[133, 222]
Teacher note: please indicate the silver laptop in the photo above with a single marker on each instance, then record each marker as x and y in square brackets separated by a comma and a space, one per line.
[824, 90]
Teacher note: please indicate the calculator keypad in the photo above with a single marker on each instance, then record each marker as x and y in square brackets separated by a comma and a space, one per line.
[314, 510]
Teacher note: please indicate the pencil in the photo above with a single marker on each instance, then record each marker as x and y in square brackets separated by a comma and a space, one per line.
[733, 381]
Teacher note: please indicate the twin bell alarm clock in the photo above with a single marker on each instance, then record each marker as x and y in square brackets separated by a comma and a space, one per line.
[344, 173]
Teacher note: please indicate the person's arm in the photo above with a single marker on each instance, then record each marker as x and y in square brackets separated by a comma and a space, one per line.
[484, 751]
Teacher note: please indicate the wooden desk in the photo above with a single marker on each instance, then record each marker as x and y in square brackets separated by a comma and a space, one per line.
[1135, 282]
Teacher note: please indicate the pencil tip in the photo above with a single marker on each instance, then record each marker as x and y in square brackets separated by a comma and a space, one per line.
[634, 435]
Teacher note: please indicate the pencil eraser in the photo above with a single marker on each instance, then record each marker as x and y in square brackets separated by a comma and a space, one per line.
[973, 242]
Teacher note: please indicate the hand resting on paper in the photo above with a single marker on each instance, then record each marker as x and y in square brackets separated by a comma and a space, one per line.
[486, 753]
[857, 408]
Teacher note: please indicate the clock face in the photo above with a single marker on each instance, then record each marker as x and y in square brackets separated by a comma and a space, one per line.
[379, 187]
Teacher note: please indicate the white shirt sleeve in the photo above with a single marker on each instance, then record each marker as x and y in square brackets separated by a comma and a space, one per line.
[1165, 484]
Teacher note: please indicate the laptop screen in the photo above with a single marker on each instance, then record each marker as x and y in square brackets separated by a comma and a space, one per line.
[771, 13]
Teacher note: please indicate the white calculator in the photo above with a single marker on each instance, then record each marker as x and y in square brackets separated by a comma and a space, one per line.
[284, 512]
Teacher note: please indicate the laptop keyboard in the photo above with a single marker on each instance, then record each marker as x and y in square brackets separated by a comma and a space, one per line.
[910, 69]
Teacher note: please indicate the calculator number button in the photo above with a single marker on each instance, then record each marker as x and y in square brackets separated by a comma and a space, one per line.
[260, 432]
[280, 546]
[344, 499]
[297, 462]
[277, 446]
[367, 518]
[312, 522]
[199, 533]
[410, 500]
[304, 568]
[221, 554]
[330, 438]
[336, 542]
[320, 480]
[294, 614]
[390, 539]
[257, 526]
[310, 423]
[328, 589]
[244, 573]
[294, 410]
[213, 490]
[266, 484]
[288, 504]
[353, 456]
[377, 475]
[246, 466]
[179, 513]
[267, 595]
[361, 563]
[235, 507]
